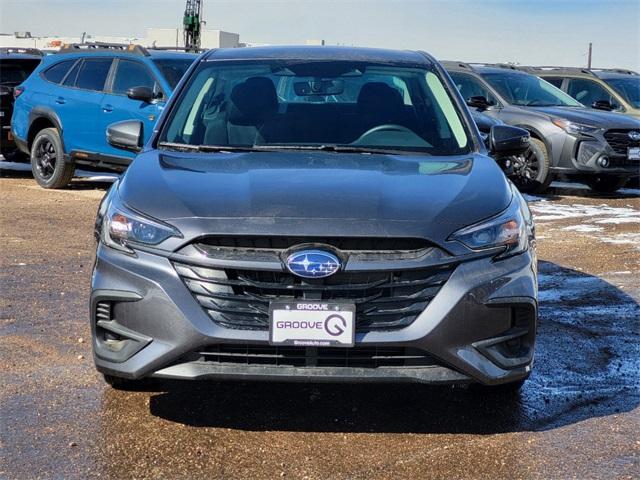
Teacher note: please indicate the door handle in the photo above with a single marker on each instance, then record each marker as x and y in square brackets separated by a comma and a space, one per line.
[61, 100]
[107, 108]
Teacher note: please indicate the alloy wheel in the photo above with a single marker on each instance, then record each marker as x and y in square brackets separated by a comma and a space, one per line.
[45, 158]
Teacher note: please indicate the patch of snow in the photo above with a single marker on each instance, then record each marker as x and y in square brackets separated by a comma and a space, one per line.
[630, 219]
[624, 239]
[544, 211]
[533, 198]
[584, 228]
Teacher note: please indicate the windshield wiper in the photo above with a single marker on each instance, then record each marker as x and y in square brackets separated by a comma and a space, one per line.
[334, 148]
[185, 147]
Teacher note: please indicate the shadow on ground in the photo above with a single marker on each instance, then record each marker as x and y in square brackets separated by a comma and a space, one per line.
[587, 365]
[84, 180]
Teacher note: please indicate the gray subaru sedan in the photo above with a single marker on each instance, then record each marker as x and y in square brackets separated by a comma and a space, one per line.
[318, 214]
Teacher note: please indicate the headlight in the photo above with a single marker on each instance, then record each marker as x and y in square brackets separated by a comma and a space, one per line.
[122, 227]
[574, 128]
[507, 230]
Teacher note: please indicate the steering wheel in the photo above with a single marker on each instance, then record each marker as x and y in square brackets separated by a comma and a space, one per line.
[394, 127]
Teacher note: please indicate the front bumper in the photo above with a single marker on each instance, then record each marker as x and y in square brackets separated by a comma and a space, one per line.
[594, 155]
[145, 322]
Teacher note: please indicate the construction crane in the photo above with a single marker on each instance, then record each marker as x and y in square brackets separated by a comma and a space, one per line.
[192, 23]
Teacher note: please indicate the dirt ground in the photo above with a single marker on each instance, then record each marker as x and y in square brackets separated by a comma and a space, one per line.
[578, 416]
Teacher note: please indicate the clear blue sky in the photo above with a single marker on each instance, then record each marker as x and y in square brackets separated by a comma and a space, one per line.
[525, 31]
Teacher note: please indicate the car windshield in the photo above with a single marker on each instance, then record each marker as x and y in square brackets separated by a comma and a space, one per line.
[529, 91]
[339, 106]
[629, 88]
[173, 69]
[16, 72]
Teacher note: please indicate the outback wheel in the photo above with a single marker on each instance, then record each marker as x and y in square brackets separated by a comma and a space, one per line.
[47, 160]
[605, 183]
[531, 169]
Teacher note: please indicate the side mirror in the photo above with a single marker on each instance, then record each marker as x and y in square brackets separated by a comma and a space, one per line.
[479, 102]
[603, 105]
[144, 94]
[125, 135]
[508, 140]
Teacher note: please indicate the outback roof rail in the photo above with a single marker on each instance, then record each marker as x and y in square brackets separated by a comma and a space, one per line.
[546, 68]
[616, 70]
[455, 63]
[510, 66]
[102, 46]
[179, 49]
[22, 50]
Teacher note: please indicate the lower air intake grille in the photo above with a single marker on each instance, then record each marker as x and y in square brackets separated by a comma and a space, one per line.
[355, 357]
[384, 300]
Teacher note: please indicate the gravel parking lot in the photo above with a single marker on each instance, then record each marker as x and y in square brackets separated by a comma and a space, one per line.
[577, 417]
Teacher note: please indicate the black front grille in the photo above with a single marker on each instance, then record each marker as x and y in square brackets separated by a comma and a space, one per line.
[620, 141]
[342, 243]
[355, 357]
[384, 300]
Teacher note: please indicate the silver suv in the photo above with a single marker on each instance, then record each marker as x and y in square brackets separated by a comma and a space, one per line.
[600, 148]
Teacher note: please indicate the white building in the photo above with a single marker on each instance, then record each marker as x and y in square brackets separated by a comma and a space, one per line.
[159, 37]
[173, 37]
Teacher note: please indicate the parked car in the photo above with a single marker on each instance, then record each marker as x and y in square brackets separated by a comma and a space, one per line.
[326, 213]
[512, 165]
[600, 148]
[63, 109]
[603, 89]
[16, 64]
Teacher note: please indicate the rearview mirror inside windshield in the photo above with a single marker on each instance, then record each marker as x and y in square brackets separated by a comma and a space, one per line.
[319, 87]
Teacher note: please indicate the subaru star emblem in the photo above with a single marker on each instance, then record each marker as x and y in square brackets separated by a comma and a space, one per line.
[634, 136]
[313, 263]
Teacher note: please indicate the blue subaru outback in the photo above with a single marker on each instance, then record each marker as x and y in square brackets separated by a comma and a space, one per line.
[63, 109]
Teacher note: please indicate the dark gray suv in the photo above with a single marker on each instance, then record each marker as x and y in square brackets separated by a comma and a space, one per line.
[597, 147]
[315, 214]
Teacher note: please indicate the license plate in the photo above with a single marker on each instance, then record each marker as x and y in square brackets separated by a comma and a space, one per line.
[312, 324]
[633, 153]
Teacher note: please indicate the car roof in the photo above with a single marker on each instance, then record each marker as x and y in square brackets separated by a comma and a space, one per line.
[81, 50]
[322, 53]
[603, 73]
[479, 68]
[614, 73]
[19, 56]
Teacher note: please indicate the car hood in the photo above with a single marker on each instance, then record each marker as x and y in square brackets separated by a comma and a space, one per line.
[590, 116]
[315, 194]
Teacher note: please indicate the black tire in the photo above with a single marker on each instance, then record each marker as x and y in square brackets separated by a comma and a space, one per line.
[531, 174]
[47, 160]
[606, 183]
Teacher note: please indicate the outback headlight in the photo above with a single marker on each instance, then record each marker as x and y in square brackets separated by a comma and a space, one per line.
[574, 128]
[122, 227]
[507, 230]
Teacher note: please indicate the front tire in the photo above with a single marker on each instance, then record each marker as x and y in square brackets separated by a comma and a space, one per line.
[47, 160]
[531, 169]
[605, 183]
